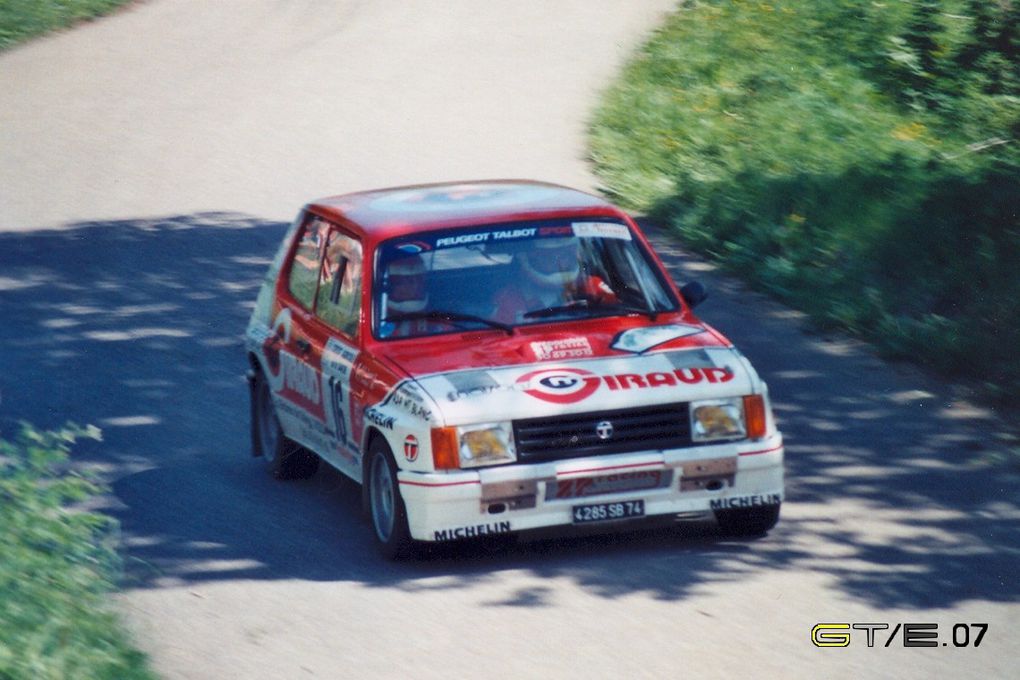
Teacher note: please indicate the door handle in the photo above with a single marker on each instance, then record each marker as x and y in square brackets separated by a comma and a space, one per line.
[303, 345]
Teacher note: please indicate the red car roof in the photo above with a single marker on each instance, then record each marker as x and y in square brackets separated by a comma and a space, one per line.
[388, 212]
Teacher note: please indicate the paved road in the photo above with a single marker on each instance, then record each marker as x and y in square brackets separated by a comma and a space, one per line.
[148, 163]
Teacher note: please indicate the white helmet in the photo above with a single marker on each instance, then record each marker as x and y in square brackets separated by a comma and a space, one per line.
[405, 285]
[551, 262]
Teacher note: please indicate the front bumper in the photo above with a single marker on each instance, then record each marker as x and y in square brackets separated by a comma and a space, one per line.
[515, 498]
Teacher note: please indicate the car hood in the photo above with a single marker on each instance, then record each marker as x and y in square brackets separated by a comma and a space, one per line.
[541, 374]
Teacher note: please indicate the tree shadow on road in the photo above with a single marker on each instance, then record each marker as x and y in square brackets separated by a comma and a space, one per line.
[136, 326]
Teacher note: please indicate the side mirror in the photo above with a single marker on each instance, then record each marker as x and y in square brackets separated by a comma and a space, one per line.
[694, 294]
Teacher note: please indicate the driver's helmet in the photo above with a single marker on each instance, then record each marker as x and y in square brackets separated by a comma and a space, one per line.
[405, 285]
[551, 261]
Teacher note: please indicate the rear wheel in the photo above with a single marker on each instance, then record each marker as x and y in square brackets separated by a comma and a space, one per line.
[747, 521]
[283, 458]
[385, 506]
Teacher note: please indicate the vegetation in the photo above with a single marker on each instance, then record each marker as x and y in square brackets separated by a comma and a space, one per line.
[860, 160]
[57, 568]
[24, 19]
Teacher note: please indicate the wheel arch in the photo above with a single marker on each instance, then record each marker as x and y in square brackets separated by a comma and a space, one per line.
[254, 363]
[372, 434]
[254, 370]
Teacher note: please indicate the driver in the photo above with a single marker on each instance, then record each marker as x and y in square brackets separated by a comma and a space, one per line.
[405, 288]
[550, 275]
[406, 293]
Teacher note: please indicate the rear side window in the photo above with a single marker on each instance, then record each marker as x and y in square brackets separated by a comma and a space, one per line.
[304, 271]
[325, 277]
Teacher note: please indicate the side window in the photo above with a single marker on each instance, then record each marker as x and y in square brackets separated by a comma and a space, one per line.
[339, 298]
[304, 272]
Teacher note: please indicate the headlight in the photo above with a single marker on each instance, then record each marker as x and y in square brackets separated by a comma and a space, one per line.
[488, 444]
[714, 419]
[470, 446]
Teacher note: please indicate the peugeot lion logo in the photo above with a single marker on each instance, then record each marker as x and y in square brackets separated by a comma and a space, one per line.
[604, 430]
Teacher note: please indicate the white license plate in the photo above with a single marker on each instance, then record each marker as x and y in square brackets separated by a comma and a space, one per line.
[608, 512]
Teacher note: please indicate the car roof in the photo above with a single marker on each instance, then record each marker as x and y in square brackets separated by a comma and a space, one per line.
[401, 210]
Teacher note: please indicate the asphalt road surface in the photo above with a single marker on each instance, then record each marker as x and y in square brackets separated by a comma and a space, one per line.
[148, 164]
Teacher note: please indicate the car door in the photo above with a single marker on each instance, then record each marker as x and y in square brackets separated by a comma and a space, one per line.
[321, 305]
[338, 316]
[300, 396]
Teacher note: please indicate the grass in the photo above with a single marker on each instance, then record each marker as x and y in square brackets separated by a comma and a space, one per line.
[58, 567]
[829, 153]
[21, 20]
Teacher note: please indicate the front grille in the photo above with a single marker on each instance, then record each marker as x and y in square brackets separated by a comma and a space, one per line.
[664, 426]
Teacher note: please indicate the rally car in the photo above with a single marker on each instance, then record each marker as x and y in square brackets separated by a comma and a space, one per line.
[494, 358]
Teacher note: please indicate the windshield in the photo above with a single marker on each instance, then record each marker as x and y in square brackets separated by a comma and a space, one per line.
[513, 274]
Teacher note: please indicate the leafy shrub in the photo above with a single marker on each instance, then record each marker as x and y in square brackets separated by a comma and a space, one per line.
[840, 155]
[58, 566]
[23, 19]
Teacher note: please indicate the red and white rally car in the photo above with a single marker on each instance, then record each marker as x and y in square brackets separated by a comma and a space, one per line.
[497, 357]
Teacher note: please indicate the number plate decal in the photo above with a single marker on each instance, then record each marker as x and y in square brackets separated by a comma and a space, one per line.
[608, 512]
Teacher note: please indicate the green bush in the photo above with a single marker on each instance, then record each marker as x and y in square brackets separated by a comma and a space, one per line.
[24, 19]
[57, 569]
[843, 156]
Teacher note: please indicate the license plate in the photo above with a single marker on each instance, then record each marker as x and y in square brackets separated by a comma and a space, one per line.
[608, 512]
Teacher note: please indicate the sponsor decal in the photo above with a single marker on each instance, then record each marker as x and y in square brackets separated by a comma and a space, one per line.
[300, 416]
[293, 379]
[611, 230]
[638, 340]
[624, 482]
[408, 392]
[560, 385]
[678, 376]
[312, 432]
[407, 397]
[448, 241]
[411, 448]
[338, 358]
[279, 335]
[601, 230]
[417, 411]
[472, 531]
[689, 358]
[571, 385]
[469, 384]
[379, 419]
[486, 236]
[556, 231]
[570, 348]
[745, 501]
[508, 234]
[300, 378]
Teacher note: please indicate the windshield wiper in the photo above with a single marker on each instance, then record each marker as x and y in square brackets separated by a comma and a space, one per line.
[445, 315]
[576, 305]
[632, 309]
[585, 305]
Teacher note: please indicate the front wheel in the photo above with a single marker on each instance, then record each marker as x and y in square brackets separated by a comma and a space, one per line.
[283, 458]
[386, 508]
[747, 521]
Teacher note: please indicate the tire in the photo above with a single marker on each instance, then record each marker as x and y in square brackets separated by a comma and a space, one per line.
[747, 521]
[386, 510]
[283, 458]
